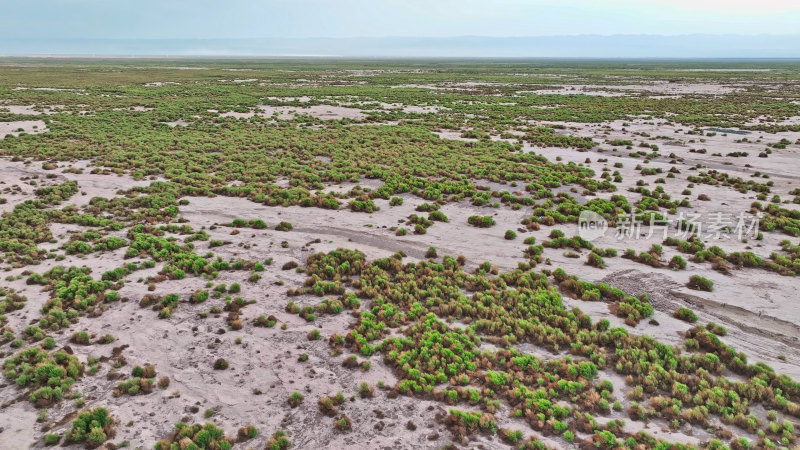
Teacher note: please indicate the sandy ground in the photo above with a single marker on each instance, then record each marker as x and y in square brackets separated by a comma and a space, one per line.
[22, 126]
[178, 123]
[324, 112]
[659, 88]
[31, 110]
[161, 83]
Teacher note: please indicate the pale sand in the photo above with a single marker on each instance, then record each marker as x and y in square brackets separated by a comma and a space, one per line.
[22, 126]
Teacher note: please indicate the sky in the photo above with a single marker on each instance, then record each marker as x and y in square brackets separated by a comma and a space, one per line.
[243, 19]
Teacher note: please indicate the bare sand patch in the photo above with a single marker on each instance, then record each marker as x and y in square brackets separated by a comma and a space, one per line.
[23, 88]
[161, 83]
[764, 120]
[302, 99]
[660, 89]
[22, 126]
[178, 123]
[31, 110]
[340, 188]
[414, 109]
[323, 112]
[239, 80]
[575, 90]
[453, 135]
[89, 185]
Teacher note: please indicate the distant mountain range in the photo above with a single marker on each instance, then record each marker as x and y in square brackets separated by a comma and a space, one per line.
[579, 46]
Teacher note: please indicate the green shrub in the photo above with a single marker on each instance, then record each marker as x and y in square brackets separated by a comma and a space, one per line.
[278, 441]
[595, 260]
[295, 399]
[438, 216]
[92, 426]
[481, 221]
[247, 432]
[51, 439]
[677, 262]
[80, 337]
[196, 437]
[220, 364]
[699, 283]
[685, 314]
[284, 226]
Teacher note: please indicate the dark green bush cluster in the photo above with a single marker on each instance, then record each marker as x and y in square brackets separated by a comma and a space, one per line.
[27, 224]
[92, 426]
[481, 221]
[422, 364]
[73, 292]
[186, 436]
[258, 224]
[50, 375]
[363, 205]
[11, 301]
[558, 240]
[142, 382]
[420, 223]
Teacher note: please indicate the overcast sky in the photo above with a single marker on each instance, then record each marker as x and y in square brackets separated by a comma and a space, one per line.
[165, 19]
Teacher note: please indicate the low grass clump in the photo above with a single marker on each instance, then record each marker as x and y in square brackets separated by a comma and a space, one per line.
[220, 364]
[283, 226]
[134, 386]
[295, 399]
[278, 441]
[246, 432]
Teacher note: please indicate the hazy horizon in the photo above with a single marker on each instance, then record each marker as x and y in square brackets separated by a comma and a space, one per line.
[576, 46]
[401, 28]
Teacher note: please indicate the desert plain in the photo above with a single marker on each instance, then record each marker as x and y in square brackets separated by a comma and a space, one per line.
[388, 254]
